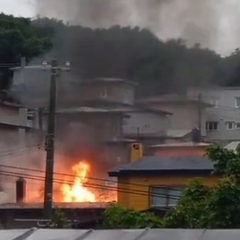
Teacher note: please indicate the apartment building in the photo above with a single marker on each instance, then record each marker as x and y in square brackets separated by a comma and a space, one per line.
[223, 119]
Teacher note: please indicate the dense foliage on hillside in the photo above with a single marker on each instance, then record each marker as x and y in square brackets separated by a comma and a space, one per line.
[132, 53]
[138, 55]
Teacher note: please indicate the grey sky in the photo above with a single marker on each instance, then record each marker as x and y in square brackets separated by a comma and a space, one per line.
[18, 7]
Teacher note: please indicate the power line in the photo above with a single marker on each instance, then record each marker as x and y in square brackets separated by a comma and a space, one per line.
[93, 186]
[73, 176]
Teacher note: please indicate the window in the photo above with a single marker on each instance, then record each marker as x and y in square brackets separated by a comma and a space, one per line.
[164, 196]
[211, 126]
[237, 125]
[103, 93]
[237, 102]
[230, 125]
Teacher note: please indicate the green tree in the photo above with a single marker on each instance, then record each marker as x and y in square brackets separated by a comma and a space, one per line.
[211, 207]
[58, 218]
[18, 38]
[118, 217]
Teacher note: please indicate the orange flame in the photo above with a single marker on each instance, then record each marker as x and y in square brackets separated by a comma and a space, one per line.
[77, 192]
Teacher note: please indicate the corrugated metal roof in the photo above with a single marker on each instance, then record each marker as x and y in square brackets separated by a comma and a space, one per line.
[165, 164]
[143, 234]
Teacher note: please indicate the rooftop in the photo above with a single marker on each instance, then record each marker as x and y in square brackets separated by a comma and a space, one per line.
[151, 164]
[172, 133]
[121, 109]
[214, 88]
[181, 144]
[172, 98]
[120, 234]
[10, 104]
[88, 110]
[16, 126]
[232, 145]
[109, 81]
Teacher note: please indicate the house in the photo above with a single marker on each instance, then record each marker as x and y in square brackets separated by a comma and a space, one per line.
[157, 182]
[223, 119]
[187, 113]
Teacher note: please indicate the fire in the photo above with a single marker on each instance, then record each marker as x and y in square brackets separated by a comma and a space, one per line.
[76, 192]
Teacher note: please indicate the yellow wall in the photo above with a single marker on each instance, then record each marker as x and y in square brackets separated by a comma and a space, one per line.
[127, 186]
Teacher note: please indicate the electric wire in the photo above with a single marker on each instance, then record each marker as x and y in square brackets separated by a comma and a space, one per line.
[73, 176]
[91, 185]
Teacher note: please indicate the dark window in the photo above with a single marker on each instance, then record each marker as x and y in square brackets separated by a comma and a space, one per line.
[211, 126]
[230, 125]
[164, 196]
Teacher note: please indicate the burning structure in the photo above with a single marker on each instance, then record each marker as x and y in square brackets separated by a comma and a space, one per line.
[89, 137]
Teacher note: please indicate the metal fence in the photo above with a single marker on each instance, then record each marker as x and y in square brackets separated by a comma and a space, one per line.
[145, 234]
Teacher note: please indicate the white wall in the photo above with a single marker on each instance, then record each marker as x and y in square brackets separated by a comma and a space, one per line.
[224, 111]
[185, 115]
[146, 123]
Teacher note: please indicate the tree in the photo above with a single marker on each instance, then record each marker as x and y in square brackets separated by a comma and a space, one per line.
[118, 217]
[58, 218]
[18, 38]
[211, 207]
[135, 54]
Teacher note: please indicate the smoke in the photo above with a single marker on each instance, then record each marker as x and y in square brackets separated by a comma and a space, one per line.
[209, 22]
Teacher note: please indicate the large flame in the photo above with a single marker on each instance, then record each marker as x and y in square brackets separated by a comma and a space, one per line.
[76, 192]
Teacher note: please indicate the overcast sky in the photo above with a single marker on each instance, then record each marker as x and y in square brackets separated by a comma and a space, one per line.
[18, 7]
[228, 26]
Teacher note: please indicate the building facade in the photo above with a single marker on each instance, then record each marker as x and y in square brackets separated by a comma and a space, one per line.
[108, 92]
[157, 182]
[148, 123]
[223, 119]
[19, 147]
[187, 112]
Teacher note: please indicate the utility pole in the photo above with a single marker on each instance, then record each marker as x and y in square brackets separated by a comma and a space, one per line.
[49, 144]
[200, 113]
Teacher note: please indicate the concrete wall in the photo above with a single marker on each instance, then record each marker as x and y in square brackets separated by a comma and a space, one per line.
[185, 115]
[13, 115]
[120, 93]
[146, 123]
[179, 151]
